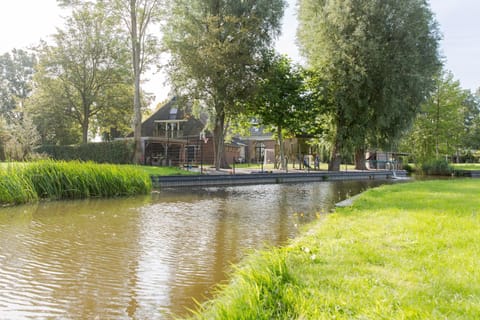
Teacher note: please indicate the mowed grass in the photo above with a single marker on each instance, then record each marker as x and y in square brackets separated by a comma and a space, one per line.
[466, 166]
[26, 182]
[163, 171]
[405, 251]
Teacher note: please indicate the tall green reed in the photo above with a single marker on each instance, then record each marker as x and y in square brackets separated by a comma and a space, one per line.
[70, 180]
[15, 188]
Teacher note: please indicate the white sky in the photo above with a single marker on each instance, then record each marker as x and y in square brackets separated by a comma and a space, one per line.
[25, 22]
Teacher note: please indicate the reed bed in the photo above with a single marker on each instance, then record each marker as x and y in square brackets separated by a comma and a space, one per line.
[15, 188]
[69, 180]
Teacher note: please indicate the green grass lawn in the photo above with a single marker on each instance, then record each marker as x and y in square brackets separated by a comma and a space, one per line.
[466, 166]
[404, 251]
[165, 171]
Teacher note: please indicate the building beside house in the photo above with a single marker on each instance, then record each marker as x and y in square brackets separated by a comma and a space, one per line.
[384, 160]
[261, 146]
[172, 136]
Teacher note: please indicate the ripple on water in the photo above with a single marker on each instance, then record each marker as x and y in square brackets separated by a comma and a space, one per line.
[140, 258]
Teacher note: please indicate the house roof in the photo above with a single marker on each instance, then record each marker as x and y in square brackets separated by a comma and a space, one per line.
[173, 112]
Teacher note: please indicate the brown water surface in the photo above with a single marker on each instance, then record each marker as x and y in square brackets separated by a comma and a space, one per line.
[145, 257]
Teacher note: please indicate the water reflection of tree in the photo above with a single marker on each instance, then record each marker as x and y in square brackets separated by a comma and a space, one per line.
[76, 256]
[135, 257]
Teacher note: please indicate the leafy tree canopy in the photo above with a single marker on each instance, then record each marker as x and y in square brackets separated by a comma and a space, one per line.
[378, 58]
[441, 126]
[16, 72]
[89, 61]
[216, 47]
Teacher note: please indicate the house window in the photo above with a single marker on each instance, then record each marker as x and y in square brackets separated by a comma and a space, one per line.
[173, 114]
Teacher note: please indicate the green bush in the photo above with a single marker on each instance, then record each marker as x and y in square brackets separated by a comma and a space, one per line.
[409, 168]
[118, 152]
[437, 168]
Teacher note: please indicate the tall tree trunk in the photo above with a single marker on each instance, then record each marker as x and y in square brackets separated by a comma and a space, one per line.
[335, 157]
[85, 121]
[219, 141]
[437, 125]
[85, 131]
[360, 159]
[137, 121]
[282, 148]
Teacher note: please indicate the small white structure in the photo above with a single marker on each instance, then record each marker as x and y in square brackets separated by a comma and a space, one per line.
[384, 160]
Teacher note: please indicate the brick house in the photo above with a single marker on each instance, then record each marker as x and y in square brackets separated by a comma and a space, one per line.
[172, 136]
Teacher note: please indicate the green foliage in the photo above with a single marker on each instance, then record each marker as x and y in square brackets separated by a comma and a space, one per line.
[88, 68]
[165, 171]
[409, 168]
[16, 73]
[281, 100]
[23, 183]
[466, 166]
[20, 139]
[119, 152]
[215, 49]
[378, 58]
[46, 107]
[15, 188]
[439, 128]
[136, 18]
[403, 251]
[281, 94]
[437, 167]
[471, 139]
[73, 180]
[261, 288]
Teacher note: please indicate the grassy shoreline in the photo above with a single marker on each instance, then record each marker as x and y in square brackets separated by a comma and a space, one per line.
[405, 251]
[55, 180]
[466, 166]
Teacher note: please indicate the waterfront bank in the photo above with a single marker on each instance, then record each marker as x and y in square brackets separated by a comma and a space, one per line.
[179, 243]
[399, 251]
[246, 178]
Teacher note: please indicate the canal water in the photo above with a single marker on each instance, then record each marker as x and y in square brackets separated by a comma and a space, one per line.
[145, 257]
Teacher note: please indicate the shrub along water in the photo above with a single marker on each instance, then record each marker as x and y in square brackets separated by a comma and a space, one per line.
[69, 180]
[439, 167]
[405, 251]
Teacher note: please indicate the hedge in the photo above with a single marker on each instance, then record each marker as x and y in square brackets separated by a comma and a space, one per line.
[117, 152]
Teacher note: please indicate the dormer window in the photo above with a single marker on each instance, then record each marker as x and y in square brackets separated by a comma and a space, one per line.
[173, 114]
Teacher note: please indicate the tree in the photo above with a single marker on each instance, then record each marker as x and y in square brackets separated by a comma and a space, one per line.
[216, 47]
[439, 128]
[16, 73]
[117, 121]
[135, 17]
[471, 140]
[47, 108]
[378, 58]
[89, 59]
[281, 99]
[138, 16]
[20, 139]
